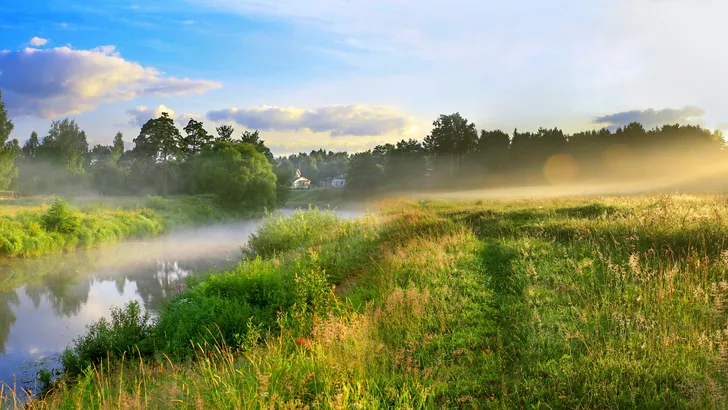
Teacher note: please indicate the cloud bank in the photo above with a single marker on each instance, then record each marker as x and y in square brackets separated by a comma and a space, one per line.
[60, 81]
[337, 120]
[650, 117]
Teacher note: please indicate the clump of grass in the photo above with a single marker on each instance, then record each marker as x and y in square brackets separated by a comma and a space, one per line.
[279, 234]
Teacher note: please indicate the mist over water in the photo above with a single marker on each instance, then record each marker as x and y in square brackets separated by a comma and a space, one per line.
[48, 301]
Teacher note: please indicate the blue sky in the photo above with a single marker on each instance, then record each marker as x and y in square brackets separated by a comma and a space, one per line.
[350, 74]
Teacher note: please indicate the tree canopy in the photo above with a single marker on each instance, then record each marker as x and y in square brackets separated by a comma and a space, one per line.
[8, 171]
[237, 174]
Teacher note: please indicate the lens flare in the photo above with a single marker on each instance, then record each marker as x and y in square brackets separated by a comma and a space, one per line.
[561, 169]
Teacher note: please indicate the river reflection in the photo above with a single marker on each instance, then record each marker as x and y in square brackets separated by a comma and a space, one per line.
[47, 302]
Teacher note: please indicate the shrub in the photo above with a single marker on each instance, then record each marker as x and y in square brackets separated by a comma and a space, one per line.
[314, 298]
[201, 320]
[61, 218]
[279, 234]
[130, 328]
[216, 309]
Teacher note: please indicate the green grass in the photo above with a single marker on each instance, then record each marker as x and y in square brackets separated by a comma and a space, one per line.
[24, 231]
[569, 303]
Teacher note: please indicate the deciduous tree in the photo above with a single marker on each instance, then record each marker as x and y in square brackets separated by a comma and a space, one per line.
[8, 171]
[237, 174]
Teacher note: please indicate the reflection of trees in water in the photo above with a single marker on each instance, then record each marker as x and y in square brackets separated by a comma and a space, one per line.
[65, 281]
[67, 297]
[155, 287]
[120, 282]
[7, 317]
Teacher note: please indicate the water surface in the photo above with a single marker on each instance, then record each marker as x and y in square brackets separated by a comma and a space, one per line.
[47, 302]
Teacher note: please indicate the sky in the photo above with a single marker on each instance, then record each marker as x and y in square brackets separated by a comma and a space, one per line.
[350, 74]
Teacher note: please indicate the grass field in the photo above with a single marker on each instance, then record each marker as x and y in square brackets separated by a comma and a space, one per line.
[27, 227]
[568, 303]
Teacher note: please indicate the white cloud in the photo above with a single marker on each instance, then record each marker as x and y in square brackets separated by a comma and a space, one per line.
[59, 81]
[37, 41]
[336, 120]
[141, 114]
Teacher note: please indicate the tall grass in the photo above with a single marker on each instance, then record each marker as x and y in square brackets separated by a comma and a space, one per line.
[580, 303]
[58, 226]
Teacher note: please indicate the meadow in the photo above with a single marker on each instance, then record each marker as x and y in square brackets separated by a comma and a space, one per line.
[604, 302]
[36, 226]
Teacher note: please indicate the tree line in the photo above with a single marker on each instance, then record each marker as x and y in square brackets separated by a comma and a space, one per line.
[456, 155]
[241, 170]
[238, 171]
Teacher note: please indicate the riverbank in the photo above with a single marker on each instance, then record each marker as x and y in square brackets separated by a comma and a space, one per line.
[33, 227]
[615, 302]
[321, 197]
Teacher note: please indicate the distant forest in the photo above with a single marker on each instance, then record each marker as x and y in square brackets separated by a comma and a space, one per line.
[240, 171]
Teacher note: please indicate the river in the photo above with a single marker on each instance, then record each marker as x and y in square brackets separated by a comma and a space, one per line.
[47, 302]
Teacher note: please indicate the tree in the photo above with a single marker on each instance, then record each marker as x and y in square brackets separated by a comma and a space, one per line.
[452, 137]
[364, 175]
[493, 150]
[161, 140]
[253, 138]
[237, 174]
[382, 154]
[225, 133]
[65, 146]
[283, 176]
[6, 125]
[196, 139]
[118, 146]
[309, 168]
[30, 170]
[101, 154]
[407, 164]
[8, 171]
[106, 177]
[30, 148]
